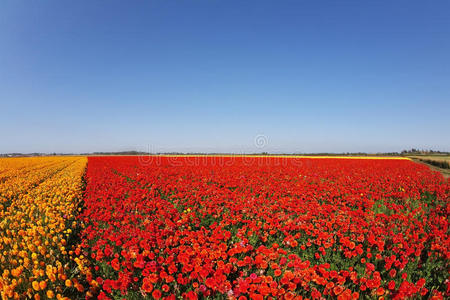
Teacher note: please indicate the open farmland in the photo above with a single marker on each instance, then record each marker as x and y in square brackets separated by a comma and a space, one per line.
[433, 157]
[223, 227]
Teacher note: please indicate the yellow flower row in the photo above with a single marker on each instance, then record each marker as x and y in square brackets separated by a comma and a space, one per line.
[39, 198]
[19, 175]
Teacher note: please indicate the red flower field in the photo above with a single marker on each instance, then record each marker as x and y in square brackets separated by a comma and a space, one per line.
[263, 227]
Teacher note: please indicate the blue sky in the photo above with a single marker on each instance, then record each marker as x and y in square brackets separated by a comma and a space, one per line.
[212, 76]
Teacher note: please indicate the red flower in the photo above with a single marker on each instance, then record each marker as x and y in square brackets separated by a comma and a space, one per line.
[115, 264]
[147, 286]
[217, 226]
[156, 294]
[165, 288]
[338, 290]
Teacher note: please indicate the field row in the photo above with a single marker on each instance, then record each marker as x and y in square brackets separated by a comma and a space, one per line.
[252, 229]
[39, 201]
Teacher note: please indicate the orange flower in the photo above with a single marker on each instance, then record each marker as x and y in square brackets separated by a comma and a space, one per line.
[380, 291]
[68, 283]
[50, 294]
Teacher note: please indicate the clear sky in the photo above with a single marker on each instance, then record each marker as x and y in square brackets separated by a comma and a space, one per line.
[213, 76]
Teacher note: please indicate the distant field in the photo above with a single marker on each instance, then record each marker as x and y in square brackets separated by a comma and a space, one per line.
[437, 162]
[433, 157]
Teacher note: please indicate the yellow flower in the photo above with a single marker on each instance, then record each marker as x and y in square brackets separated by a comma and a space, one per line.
[42, 194]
